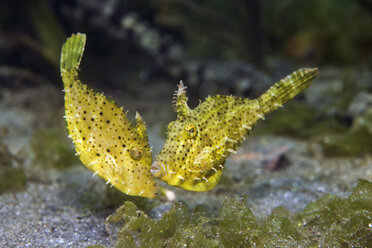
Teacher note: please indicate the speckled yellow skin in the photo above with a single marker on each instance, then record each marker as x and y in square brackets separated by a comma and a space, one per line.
[200, 140]
[105, 140]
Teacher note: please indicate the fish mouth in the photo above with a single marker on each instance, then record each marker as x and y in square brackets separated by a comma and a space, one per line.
[156, 170]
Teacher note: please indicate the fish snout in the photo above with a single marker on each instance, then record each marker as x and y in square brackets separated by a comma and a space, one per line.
[156, 170]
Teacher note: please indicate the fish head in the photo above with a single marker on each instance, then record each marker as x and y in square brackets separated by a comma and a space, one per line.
[189, 158]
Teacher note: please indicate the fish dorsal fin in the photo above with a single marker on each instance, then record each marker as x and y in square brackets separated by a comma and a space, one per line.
[180, 102]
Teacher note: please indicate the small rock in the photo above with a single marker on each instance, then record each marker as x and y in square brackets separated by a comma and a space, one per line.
[360, 104]
[159, 211]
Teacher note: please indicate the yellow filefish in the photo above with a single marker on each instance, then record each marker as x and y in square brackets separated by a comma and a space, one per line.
[105, 140]
[200, 140]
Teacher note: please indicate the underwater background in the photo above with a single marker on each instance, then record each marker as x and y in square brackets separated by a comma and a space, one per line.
[303, 177]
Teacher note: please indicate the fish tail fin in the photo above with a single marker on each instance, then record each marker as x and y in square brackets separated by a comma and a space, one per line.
[72, 52]
[286, 89]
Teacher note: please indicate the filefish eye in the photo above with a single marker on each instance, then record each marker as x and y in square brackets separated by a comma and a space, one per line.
[136, 153]
[190, 130]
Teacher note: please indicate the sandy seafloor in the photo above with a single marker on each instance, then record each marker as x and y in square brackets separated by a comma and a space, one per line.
[56, 210]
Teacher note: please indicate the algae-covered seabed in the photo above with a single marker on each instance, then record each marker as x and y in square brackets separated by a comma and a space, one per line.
[59, 204]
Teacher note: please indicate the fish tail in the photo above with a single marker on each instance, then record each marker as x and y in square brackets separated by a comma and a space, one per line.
[72, 52]
[286, 89]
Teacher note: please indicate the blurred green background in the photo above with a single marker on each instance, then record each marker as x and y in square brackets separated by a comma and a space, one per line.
[136, 38]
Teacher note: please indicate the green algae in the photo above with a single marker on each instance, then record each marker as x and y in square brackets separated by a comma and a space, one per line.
[328, 222]
[48, 30]
[299, 121]
[237, 225]
[11, 177]
[357, 141]
[342, 222]
[51, 149]
[177, 228]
